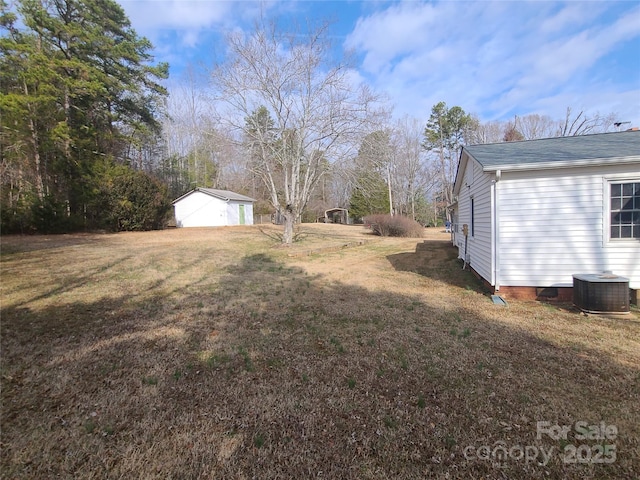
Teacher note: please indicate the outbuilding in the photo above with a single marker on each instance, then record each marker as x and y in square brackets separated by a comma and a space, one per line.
[336, 215]
[529, 215]
[208, 207]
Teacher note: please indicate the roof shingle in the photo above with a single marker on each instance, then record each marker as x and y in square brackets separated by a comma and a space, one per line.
[596, 149]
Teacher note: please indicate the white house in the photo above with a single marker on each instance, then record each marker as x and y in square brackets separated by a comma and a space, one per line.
[206, 207]
[537, 212]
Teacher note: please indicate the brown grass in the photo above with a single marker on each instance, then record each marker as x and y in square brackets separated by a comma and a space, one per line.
[211, 353]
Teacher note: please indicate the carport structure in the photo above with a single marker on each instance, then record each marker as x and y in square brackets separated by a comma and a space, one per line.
[336, 215]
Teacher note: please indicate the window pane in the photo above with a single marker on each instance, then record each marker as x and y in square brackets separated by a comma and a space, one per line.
[616, 203]
[615, 189]
[627, 203]
[615, 232]
[625, 210]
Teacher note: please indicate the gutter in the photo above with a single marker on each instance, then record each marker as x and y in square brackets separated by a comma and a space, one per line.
[594, 162]
[495, 231]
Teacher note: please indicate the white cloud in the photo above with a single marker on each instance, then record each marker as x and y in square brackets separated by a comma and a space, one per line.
[571, 15]
[152, 15]
[494, 58]
[491, 58]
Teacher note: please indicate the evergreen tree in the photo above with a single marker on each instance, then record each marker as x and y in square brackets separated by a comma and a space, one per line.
[77, 92]
[445, 134]
[369, 196]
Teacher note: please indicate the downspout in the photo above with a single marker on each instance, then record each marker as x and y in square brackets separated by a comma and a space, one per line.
[495, 231]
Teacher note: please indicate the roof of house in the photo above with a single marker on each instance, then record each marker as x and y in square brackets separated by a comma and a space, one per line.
[582, 150]
[225, 195]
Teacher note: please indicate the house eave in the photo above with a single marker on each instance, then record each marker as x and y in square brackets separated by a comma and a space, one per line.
[462, 165]
[214, 195]
[593, 162]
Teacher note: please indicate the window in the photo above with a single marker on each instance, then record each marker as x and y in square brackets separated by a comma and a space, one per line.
[625, 210]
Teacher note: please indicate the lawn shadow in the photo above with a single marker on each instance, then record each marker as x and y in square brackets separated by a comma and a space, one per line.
[15, 244]
[264, 370]
[438, 260]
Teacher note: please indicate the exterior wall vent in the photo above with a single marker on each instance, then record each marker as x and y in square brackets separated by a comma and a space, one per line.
[601, 293]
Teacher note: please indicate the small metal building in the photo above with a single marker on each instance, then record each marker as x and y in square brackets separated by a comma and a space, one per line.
[208, 207]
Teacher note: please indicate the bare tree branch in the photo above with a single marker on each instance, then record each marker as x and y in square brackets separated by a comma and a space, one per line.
[316, 111]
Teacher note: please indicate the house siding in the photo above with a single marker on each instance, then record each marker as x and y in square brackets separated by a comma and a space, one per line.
[552, 225]
[481, 240]
[200, 210]
[479, 243]
[233, 213]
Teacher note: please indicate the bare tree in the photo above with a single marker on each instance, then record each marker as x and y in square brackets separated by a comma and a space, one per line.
[487, 132]
[535, 126]
[192, 133]
[511, 132]
[414, 178]
[317, 112]
[582, 124]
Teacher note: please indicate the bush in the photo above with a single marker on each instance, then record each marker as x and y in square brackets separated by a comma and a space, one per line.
[130, 200]
[138, 202]
[17, 217]
[393, 226]
[49, 216]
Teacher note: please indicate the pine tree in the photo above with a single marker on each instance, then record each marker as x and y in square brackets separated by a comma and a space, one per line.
[78, 91]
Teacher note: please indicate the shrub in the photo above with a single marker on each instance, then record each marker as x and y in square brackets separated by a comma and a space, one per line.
[393, 226]
[130, 200]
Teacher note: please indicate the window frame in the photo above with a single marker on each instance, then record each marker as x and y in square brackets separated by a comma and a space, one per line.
[607, 211]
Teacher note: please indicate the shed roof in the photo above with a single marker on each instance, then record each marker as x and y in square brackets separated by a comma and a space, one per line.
[225, 195]
[558, 152]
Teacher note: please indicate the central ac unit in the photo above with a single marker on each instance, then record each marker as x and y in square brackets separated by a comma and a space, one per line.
[601, 293]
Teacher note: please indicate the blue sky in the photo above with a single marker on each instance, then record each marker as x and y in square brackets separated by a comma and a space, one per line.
[494, 59]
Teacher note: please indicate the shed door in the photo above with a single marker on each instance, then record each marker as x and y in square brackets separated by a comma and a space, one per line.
[241, 214]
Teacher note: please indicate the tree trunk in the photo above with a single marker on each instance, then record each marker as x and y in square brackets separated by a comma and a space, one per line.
[413, 205]
[67, 119]
[289, 222]
[389, 185]
[35, 144]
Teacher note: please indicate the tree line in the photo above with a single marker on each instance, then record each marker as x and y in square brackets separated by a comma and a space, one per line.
[80, 100]
[90, 138]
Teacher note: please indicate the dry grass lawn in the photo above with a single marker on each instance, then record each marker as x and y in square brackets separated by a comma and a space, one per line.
[213, 353]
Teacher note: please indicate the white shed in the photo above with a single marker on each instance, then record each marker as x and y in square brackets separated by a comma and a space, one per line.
[207, 207]
[539, 211]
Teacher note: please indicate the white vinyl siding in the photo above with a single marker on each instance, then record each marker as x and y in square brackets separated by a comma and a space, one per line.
[552, 225]
[199, 209]
[233, 213]
[481, 242]
[476, 185]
